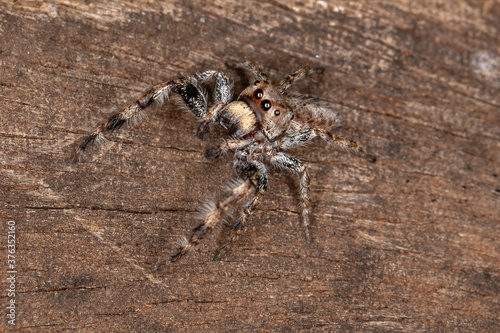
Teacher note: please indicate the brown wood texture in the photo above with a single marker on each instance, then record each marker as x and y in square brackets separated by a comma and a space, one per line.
[408, 244]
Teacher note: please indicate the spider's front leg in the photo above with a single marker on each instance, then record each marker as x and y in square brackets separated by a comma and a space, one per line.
[223, 95]
[188, 88]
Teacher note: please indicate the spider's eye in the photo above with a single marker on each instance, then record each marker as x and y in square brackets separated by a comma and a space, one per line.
[291, 118]
[265, 105]
[258, 94]
[276, 112]
[256, 83]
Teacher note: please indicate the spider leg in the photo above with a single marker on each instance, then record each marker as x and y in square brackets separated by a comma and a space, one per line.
[305, 201]
[295, 138]
[225, 146]
[288, 162]
[214, 216]
[345, 144]
[188, 88]
[223, 95]
[131, 113]
[256, 171]
[297, 75]
[255, 69]
[238, 227]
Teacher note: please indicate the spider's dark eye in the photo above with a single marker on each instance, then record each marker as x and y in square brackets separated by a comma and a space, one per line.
[265, 105]
[256, 83]
[258, 94]
[276, 112]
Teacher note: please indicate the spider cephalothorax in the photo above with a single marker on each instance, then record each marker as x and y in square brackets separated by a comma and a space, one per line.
[272, 111]
[262, 124]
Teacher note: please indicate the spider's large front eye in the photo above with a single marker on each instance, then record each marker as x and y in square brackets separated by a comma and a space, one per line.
[258, 94]
[265, 105]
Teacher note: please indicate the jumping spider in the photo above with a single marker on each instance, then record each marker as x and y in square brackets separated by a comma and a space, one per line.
[262, 123]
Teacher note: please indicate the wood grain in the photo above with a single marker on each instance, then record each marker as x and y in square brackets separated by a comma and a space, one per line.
[408, 244]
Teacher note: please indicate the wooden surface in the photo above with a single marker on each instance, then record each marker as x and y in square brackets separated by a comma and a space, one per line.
[410, 243]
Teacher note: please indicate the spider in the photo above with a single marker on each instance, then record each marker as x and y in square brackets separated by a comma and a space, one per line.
[262, 124]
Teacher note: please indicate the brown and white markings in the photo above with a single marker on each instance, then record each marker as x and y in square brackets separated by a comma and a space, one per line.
[263, 123]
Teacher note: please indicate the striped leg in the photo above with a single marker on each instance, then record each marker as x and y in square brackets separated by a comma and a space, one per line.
[255, 69]
[188, 88]
[238, 228]
[213, 216]
[288, 162]
[345, 144]
[305, 202]
[297, 75]
[223, 95]
[256, 172]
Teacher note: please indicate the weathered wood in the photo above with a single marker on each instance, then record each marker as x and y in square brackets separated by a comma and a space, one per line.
[410, 243]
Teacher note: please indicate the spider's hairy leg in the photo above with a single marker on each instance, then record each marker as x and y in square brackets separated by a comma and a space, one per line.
[345, 144]
[288, 162]
[225, 146]
[305, 201]
[296, 137]
[213, 217]
[256, 171]
[223, 94]
[187, 88]
[297, 75]
[255, 69]
[238, 227]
